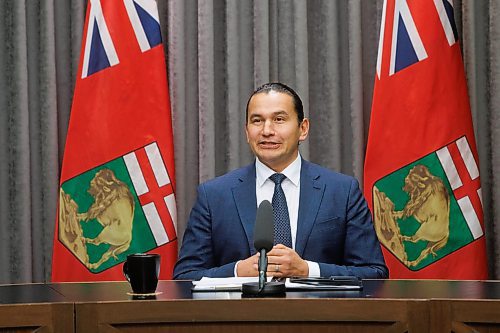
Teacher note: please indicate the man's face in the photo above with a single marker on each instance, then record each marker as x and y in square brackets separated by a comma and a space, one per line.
[273, 130]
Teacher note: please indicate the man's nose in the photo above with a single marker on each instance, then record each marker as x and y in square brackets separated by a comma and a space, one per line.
[267, 129]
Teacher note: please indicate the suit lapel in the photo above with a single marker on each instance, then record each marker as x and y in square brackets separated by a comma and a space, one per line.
[246, 202]
[311, 194]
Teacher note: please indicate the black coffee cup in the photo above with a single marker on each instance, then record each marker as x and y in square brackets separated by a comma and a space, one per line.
[142, 271]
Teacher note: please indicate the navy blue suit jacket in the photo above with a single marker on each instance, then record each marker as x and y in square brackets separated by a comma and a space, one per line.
[334, 226]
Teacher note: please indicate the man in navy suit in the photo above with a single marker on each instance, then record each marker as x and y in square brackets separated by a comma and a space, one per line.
[329, 229]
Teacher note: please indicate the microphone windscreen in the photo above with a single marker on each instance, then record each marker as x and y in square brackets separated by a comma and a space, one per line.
[264, 227]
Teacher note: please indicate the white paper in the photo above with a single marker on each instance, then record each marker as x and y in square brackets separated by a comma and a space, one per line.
[235, 283]
[222, 284]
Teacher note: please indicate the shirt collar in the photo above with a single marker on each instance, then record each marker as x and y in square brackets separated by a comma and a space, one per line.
[292, 171]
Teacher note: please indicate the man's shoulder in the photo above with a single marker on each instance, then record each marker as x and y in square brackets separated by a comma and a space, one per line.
[316, 170]
[232, 177]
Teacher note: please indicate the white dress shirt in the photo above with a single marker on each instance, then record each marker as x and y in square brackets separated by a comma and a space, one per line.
[264, 189]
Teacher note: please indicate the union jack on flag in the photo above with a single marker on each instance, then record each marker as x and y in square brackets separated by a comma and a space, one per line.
[407, 47]
[144, 18]
[99, 50]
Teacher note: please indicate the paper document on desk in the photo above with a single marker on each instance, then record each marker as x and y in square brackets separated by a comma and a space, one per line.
[234, 284]
[222, 284]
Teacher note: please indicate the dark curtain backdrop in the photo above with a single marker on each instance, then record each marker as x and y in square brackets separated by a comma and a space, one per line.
[217, 52]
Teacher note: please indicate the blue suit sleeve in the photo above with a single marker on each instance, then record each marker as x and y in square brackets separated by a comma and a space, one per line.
[197, 258]
[362, 255]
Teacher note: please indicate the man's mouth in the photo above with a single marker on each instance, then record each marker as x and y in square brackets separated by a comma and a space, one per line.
[269, 144]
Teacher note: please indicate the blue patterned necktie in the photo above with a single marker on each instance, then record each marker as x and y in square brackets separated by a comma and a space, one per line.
[282, 231]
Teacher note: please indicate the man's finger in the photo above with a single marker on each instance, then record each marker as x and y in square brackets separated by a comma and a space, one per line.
[278, 252]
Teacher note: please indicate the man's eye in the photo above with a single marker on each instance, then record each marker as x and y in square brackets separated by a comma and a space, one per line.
[280, 119]
[256, 121]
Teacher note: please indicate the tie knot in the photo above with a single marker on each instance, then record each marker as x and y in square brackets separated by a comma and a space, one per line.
[277, 178]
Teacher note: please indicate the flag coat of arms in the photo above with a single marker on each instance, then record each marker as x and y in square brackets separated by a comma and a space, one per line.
[117, 193]
[421, 171]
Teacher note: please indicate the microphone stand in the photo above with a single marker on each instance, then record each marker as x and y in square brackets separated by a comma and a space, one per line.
[263, 288]
[262, 269]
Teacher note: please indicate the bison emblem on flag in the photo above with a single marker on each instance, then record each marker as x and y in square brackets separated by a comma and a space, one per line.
[431, 207]
[124, 206]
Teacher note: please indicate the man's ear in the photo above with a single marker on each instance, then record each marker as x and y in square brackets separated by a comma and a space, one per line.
[246, 132]
[304, 129]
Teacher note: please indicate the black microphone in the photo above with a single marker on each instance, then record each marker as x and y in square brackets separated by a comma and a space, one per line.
[264, 237]
[263, 242]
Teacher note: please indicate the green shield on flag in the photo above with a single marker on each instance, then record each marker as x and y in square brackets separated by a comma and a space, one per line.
[101, 220]
[416, 214]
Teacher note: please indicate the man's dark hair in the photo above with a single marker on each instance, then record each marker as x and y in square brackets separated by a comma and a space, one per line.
[281, 88]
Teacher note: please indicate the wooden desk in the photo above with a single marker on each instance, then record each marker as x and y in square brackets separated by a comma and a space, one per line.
[470, 307]
[108, 308]
[34, 308]
[382, 306]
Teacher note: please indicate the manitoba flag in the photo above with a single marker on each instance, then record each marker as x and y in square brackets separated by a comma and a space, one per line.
[117, 193]
[421, 172]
